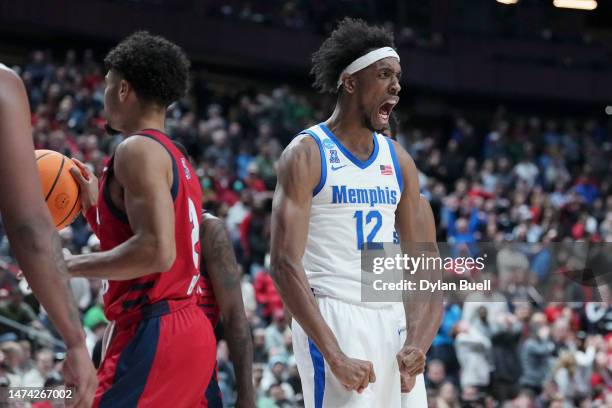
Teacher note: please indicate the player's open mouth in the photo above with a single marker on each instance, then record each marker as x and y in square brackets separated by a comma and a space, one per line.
[384, 111]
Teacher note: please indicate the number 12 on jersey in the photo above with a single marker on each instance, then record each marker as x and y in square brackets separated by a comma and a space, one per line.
[371, 217]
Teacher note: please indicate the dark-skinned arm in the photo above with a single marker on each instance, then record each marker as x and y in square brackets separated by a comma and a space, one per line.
[220, 263]
[299, 171]
[143, 168]
[33, 237]
[423, 308]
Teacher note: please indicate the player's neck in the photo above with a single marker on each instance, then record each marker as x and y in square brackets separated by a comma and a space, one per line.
[347, 127]
[148, 120]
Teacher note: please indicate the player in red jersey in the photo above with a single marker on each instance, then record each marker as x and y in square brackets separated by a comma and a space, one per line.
[161, 350]
[219, 293]
[32, 235]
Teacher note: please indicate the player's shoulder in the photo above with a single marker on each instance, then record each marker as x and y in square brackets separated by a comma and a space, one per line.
[9, 79]
[211, 221]
[302, 149]
[301, 143]
[138, 158]
[8, 73]
[299, 166]
[212, 228]
[139, 147]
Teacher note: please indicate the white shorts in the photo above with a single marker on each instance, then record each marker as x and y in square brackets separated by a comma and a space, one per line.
[366, 333]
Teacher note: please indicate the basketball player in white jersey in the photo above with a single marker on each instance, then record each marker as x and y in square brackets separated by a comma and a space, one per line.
[343, 185]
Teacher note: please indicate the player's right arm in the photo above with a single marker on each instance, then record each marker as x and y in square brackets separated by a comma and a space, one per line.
[144, 170]
[427, 231]
[298, 174]
[34, 240]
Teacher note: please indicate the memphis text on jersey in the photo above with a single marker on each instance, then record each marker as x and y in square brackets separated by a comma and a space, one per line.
[371, 196]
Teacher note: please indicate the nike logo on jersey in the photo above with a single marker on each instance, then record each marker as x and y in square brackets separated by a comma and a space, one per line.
[334, 168]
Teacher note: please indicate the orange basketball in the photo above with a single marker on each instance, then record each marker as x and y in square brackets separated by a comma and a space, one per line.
[60, 190]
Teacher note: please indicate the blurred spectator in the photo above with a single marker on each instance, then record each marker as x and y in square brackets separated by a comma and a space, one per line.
[260, 352]
[473, 351]
[276, 375]
[265, 165]
[443, 348]
[248, 297]
[276, 334]
[13, 360]
[536, 355]
[587, 189]
[505, 337]
[447, 396]
[599, 314]
[434, 375]
[564, 375]
[225, 374]
[255, 235]
[16, 309]
[266, 295]
[43, 368]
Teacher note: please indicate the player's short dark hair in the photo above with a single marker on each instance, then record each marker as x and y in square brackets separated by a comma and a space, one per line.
[157, 68]
[349, 41]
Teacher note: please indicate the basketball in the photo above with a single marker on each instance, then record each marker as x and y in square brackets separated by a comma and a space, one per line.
[60, 190]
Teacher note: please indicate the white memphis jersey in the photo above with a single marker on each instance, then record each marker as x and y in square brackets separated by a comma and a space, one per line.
[352, 206]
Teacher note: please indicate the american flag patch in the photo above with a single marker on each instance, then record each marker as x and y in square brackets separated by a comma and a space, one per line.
[386, 169]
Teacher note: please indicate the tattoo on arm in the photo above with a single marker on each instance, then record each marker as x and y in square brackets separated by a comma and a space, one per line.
[224, 272]
[222, 256]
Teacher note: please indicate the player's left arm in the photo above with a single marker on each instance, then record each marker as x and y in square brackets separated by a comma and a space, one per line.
[143, 168]
[423, 308]
[220, 262]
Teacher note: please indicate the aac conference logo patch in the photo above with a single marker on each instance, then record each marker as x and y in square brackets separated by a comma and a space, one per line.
[328, 144]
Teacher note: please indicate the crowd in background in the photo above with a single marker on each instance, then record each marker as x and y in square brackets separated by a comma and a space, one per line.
[521, 182]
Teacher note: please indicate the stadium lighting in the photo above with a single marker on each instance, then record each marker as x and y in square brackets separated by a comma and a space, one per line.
[576, 4]
[609, 110]
[507, 1]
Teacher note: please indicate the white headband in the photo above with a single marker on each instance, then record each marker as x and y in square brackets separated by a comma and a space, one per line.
[367, 60]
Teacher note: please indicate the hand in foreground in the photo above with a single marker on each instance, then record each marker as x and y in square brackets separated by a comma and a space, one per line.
[353, 374]
[411, 361]
[80, 373]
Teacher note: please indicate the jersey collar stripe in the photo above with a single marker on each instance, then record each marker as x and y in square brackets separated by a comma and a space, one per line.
[361, 164]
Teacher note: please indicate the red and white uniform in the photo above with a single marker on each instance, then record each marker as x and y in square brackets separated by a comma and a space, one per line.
[162, 351]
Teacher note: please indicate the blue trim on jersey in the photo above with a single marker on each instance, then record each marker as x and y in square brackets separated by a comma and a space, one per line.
[134, 366]
[319, 374]
[323, 162]
[361, 164]
[398, 170]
